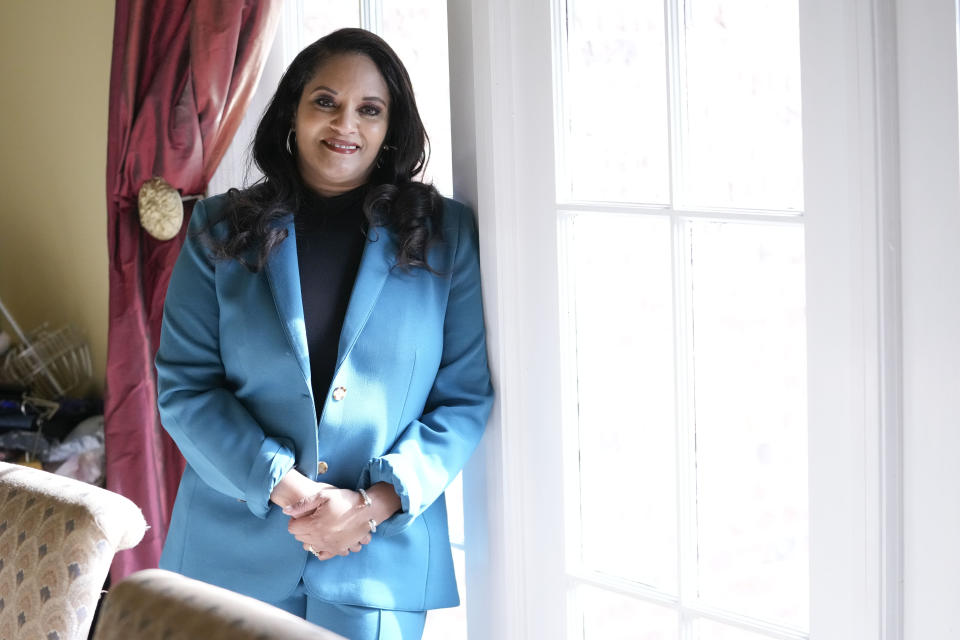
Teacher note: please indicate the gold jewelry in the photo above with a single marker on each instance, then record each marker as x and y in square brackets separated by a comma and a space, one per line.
[373, 525]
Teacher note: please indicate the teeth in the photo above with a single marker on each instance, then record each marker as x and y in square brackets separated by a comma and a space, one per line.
[343, 146]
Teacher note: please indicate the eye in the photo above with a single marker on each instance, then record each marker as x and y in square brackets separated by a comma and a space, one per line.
[370, 110]
[324, 102]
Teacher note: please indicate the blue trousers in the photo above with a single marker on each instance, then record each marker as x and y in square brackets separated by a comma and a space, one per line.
[352, 622]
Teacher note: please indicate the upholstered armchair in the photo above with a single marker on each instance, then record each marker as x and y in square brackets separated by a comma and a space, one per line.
[58, 537]
[160, 605]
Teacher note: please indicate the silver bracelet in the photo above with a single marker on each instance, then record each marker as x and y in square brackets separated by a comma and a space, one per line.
[366, 499]
[373, 525]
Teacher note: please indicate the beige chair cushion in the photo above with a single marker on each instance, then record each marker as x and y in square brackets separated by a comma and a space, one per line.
[155, 604]
[57, 541]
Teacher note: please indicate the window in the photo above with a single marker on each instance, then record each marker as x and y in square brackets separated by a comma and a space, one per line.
[682, 291]
[654, 257]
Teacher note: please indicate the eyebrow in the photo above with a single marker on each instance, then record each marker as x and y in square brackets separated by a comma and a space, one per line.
[322, 87]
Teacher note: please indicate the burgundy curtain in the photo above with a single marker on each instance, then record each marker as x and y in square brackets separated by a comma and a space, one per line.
[183, 72]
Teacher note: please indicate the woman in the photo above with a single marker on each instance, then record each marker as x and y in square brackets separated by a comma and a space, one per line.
[322, 364]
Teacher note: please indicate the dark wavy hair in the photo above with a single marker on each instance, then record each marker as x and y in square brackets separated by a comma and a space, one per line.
[411, 209]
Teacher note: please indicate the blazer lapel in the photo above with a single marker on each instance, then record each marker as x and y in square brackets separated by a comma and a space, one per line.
[283, 274]
[379, 255]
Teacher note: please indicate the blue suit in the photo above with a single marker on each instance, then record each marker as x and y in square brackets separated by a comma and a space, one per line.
[235, 394]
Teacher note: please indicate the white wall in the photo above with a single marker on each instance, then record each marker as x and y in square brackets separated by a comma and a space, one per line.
[930, 224]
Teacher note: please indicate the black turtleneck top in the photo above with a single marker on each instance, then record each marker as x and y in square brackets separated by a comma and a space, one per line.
[330, 237]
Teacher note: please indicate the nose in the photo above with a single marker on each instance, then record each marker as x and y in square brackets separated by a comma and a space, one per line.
[345, 121]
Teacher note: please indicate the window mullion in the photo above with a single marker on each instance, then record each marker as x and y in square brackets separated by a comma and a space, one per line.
[730, 215]
[676, 94]
[561, 69]
[569, 396]
[371, 15]
[573, 545]
[291, 30]
[685, 422]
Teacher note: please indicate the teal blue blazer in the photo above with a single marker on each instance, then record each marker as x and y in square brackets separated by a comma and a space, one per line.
[233, 374]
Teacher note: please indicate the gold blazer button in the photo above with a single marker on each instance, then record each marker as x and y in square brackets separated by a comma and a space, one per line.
[339, 393]
[322, 467]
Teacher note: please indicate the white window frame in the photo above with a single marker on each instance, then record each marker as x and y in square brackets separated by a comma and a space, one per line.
[926, 63]
[503, 136]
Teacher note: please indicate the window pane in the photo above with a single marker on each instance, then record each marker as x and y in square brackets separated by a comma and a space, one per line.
[707, 630]
[320, 17]
[417, 31]
[619, 267]
[751, 439]
[616, 102]
[742, 139]
[611, 616]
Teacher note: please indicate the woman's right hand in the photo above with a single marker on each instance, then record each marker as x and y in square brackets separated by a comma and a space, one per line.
[295, 487]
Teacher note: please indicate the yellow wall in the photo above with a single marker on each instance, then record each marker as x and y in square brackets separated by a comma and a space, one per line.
[54, 84]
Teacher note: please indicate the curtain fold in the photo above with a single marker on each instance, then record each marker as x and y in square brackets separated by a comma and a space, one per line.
[182, 75]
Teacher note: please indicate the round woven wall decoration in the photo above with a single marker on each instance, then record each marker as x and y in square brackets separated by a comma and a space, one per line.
[161, 209]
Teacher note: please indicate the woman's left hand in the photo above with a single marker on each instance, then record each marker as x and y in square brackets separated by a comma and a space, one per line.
[330, 523]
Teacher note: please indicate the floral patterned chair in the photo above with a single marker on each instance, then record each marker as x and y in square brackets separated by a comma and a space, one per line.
[58, 537]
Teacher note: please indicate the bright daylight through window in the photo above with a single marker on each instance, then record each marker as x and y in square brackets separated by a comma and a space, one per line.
[679, 170]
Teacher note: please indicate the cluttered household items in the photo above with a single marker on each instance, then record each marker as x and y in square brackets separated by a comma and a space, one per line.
[45, 421]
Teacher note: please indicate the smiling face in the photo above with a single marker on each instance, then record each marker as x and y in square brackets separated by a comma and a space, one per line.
[341, 123]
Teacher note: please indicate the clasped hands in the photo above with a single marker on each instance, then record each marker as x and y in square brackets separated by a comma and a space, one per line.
[330, 521]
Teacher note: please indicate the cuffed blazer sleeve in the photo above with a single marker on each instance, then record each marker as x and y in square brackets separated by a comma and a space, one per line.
[432, 450]
[215, 433]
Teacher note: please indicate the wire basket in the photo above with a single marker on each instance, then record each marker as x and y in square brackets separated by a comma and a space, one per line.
[52, 363]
